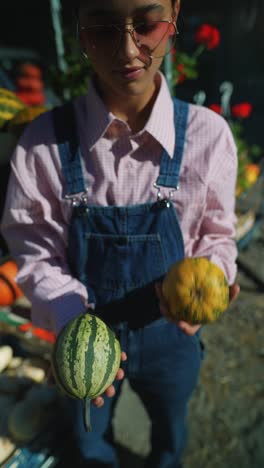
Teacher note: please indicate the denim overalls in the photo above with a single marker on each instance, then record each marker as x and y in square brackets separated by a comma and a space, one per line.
[119, 252]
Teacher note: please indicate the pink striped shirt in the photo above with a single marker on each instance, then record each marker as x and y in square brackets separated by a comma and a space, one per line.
[120, 168]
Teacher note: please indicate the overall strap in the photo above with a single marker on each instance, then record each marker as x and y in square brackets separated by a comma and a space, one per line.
[170, 167]
[69, 148]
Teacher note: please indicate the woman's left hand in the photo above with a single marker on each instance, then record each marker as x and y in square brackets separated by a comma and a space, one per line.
[185, 326]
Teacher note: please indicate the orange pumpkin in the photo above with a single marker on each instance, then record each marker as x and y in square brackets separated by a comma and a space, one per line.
[29, 83]
[252, 173]
[29, 69]
[9, 291]
[196, 291]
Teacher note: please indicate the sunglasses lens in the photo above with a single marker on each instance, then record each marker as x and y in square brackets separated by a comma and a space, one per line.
[151, 37]
[154, 36]
[102, 37]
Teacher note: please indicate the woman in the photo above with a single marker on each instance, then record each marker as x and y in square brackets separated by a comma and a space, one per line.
[94, 219]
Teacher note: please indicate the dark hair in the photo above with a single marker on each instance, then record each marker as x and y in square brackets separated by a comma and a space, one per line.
[78, 3]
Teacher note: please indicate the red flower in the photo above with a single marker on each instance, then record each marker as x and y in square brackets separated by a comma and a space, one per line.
[242, 110]
[216, 108]
[208, 35]
[182, 76]
[180, 67]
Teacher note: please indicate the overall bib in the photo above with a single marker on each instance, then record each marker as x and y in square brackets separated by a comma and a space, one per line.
[119, 252]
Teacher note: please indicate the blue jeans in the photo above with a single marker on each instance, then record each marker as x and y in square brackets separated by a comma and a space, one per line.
[162, 368]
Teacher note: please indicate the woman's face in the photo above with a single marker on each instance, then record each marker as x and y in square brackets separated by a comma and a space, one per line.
[112, 52]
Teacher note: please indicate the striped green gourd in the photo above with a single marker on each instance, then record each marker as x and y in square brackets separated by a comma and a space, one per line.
[85, 359]
[9, 105]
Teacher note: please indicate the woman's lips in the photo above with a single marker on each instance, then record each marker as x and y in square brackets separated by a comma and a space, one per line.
[131, 73]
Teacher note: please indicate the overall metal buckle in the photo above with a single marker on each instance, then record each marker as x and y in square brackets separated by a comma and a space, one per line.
[166, 200]
[78, 199]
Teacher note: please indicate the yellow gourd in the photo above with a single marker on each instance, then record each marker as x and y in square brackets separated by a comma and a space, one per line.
[196, 291]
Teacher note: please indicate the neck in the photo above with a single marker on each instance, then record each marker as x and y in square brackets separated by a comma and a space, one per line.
[135, 109]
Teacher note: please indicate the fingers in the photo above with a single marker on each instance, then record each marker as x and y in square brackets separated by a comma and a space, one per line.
[234, 290]
[120, 374]
[98, 402]
[123, 356]
[109, 393]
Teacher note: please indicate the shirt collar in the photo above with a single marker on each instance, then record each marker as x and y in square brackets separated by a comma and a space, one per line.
[161, 120]
[160, 128]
